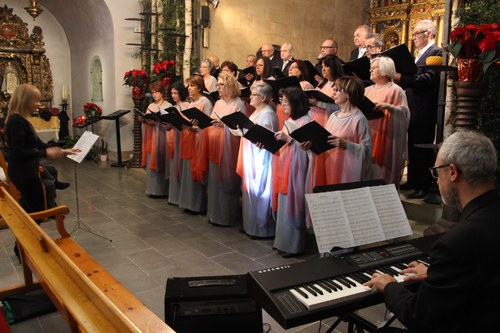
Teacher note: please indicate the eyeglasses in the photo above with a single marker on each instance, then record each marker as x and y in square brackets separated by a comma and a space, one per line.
[254, 95]
[418, 33]
[220, 84]
[369, 47]
[327, 47]
[434, 172]
[338, 90]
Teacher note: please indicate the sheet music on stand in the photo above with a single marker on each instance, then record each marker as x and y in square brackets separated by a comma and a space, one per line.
[85, 143]
[348, 218]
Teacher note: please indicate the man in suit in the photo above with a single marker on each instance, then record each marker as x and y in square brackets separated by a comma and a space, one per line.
[359, 41]
[374, 44]
[460, 290]
[267, 50]
[328, 47]
[422, 92]
[216, 61]
[286, 54]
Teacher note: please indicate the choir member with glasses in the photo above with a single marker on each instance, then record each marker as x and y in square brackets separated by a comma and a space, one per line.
[224, 184]
[389, 133]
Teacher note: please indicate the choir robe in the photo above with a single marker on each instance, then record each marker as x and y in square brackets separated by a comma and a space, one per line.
[174, 155]
[289, 181]
[223, 182]
[355, 162]
[210, 84]
[194, 163]
[154, 153]
[389, 133]
[317, 163]
[255, 169]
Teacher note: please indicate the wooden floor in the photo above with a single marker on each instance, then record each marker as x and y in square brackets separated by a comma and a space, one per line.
[151, 241]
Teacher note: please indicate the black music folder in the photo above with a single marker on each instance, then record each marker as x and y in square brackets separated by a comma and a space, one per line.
[253, 132]
[249, 70]
[312, 131]
[405, 64]
[265, 136]
[194, 113]
[174, 118]
[212, 97]
[283, 83]
[245, 91]
[152, 116]
[235, 120]
[359, 67]
[316, 94]
[312, 70]
[368, 108]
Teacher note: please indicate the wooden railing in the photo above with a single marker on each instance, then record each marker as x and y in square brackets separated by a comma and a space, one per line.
[87, 296]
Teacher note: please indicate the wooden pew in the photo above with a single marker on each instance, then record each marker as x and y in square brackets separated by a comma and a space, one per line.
[86, 295]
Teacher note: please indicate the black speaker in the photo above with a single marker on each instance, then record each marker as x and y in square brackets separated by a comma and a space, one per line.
[211, 304]
[205, 16]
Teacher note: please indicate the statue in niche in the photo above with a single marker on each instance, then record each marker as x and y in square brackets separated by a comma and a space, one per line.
[10, 79]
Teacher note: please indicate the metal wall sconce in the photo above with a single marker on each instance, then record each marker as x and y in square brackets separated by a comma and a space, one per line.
[214, 3]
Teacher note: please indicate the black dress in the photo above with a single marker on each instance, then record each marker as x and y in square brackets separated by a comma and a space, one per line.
[25, 150]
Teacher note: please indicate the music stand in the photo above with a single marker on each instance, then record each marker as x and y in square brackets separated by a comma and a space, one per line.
[116, 117]
[85, 143]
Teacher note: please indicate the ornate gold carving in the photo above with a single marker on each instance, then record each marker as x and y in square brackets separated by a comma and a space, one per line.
[25, 52]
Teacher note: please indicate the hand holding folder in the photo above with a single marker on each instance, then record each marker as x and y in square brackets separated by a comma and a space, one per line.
[312, 132]
[255, 133]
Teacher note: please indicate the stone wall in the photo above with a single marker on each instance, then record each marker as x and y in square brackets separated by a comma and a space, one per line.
[239, 27]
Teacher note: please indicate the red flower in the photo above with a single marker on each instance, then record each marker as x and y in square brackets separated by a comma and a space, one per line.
[92, 110]
[490, 40]
[136, 78]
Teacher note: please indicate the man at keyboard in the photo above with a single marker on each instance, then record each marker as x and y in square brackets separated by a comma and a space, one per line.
[460, 290]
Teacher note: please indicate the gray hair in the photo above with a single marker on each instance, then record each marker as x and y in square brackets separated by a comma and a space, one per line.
[472, 153]
[386, 66]
[378, 40]
[365, 27]
[210, 64]
[264, 90]
[429, 26]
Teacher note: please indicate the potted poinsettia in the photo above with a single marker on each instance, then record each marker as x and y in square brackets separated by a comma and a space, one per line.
[164, 71]
[475, 48]
[92, 110]
[138, 79]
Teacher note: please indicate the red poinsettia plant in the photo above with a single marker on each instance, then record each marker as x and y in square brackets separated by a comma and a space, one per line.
[136, 77]
[164, 68]
[92, 110]
[476, 42]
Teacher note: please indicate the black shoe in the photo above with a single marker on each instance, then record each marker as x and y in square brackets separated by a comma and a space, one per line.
[60, 185]
[406, 187]
[290, 255]
[152, 196]
[419, 194]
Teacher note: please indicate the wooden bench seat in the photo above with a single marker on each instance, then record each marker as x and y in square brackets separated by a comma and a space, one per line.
[87, 296]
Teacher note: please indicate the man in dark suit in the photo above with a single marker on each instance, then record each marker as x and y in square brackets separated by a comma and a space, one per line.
[359, 38]
[460, 290]
[422, 92]
[267, 50]
[286, 54]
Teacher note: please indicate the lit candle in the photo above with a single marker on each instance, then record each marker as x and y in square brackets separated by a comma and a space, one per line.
[64, 92]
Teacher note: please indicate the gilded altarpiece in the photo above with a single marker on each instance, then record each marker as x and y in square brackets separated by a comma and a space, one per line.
[22, 56]
[395, 19]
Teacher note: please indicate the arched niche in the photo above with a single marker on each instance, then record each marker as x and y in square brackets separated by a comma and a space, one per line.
[96, 79]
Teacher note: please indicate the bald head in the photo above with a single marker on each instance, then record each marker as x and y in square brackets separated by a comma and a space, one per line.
[329, 46]
[286, 51]
[267, 50]
[215, 60]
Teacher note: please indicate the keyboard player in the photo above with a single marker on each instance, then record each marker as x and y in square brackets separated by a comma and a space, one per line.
[460, 290]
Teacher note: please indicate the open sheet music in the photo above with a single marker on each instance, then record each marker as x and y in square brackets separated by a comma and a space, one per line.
[85, 143]
[357, 217]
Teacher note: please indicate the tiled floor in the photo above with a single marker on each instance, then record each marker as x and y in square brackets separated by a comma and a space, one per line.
[151, 241]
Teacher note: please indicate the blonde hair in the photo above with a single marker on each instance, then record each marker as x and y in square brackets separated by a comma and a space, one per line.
[231, 85]
[21, 99]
